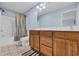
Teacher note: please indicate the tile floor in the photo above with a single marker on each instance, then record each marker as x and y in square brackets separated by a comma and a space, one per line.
[13, 50]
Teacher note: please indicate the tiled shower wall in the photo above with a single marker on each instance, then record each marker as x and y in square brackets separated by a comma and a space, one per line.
[7, 29]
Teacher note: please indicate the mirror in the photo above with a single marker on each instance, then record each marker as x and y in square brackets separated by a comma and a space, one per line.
[69, 18]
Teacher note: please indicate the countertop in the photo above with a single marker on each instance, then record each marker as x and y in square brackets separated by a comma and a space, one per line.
[57, 29]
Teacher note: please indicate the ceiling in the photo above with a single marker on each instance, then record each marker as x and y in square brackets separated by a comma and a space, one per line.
[20, 7]
[23, 7]
[52, 6]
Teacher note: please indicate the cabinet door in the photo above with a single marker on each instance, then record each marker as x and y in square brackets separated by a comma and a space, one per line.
[46, 40]
[45, 50]
[36, 42]
[62, 47]
[31, 41]
[75, 48]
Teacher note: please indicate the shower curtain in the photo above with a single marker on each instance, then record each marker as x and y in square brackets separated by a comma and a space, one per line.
[20, 26]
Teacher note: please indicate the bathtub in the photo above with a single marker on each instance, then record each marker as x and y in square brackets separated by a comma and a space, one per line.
[4, 41]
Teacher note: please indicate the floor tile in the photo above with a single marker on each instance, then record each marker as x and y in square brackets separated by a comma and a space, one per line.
[12, 50]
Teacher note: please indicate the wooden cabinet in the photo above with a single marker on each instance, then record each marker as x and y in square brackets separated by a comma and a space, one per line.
[46, 42]
[67, 43]
[75, 48]
[62, 47]
[56, 43]
[46, 38]
[31, 41]
[34, 40]
[45, 50]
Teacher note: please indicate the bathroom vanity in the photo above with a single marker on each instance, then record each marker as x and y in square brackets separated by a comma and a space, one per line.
[55, 42]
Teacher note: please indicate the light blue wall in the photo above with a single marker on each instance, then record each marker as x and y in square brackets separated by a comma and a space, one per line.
[31, 18]
[53, 19]
[49, 20]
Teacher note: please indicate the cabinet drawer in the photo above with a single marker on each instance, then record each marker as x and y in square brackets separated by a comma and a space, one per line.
[65, 35]
[46, 33]
[34, 32]
[46, 50]
[46, 41]
[75, 35]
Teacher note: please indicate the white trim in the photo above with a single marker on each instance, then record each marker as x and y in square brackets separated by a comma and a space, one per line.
[74, 9]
